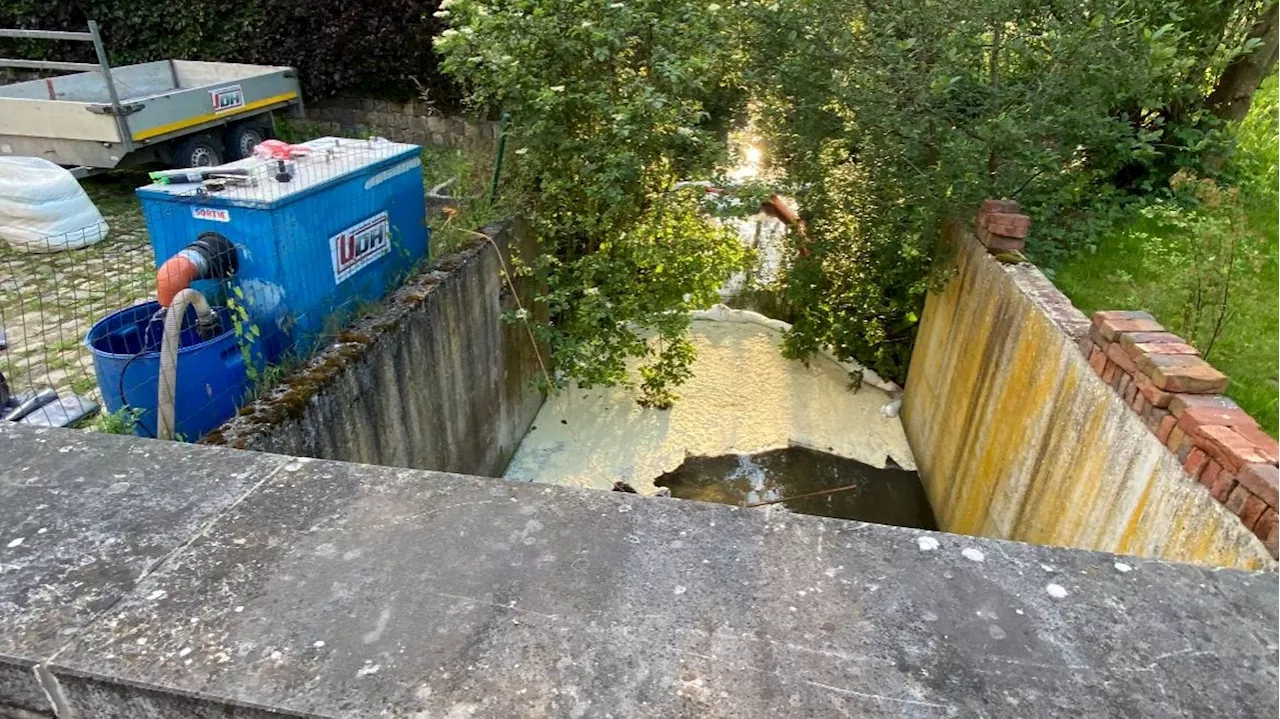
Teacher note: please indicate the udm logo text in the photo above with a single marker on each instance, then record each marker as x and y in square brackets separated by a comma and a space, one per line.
[360, 245]
[226, 99]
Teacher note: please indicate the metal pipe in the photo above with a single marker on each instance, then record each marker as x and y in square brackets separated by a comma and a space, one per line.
[497, 160]
[126, 137]
[46, 64]
[210, 257]
[173, 74]
[45, 34]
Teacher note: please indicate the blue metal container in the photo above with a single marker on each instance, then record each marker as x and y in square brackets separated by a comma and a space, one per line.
[126, 358]
[347, 226]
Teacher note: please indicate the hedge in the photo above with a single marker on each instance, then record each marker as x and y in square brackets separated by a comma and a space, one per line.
[338, 46]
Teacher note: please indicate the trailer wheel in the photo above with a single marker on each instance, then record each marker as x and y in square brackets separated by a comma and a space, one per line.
[198, 151]
[244, 136]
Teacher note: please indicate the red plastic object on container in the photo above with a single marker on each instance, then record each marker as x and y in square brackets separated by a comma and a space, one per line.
[279, 150]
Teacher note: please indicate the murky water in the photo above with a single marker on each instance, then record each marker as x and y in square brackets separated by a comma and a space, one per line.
[883, 496]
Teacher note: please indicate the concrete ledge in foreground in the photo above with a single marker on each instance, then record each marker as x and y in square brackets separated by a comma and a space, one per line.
[336, 590]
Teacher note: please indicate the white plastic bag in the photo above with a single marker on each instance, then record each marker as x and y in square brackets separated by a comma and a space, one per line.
[44, 209]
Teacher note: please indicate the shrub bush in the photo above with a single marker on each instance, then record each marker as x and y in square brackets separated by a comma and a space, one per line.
[338, 47]
[891, 116]
[1073, 109]
[610, 105]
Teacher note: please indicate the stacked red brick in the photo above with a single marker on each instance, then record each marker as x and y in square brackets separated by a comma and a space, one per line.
[1179, 396]
[1000, 227]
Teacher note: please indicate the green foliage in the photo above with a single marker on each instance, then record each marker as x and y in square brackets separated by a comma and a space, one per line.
[1204, 260]
[465, 174]
[122, 421]
[135, 32]
[1159, 261]
[264, 381]
[1212, 222]
[611, 104]
[246, 330]
[1254, 163]
[930, 107]
[647, 277]
[337, 46]
[895, 117]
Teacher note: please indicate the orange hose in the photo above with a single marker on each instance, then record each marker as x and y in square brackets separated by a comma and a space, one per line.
[778, 207]
[175, 275]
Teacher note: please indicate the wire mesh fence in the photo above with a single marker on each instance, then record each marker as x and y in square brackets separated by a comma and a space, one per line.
[48, 301]
[207, 284]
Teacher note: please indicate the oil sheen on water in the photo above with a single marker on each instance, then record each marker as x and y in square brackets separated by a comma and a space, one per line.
[883, 496]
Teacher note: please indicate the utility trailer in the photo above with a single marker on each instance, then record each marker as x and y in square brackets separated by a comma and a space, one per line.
[180, 112]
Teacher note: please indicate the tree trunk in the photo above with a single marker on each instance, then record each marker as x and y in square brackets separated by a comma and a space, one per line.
[1233, 94]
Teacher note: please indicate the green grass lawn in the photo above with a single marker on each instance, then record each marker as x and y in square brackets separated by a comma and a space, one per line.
[1132, 272]
[1149, 264]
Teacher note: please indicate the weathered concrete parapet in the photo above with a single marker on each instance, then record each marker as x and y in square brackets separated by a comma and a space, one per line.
[1016, 437]
[85, 519]
[178, 581]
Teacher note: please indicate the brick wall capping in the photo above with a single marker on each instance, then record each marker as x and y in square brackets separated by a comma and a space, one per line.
[993, 205]
[1227, 446]
[1005, 224]
[1183, 373]
[1103, 315]
[998, 243]
[1111, 324]
[1155, 396]
[1130, 338]
[1138, 350]
[1262, 479]
[1181, 402]
[1191, 420]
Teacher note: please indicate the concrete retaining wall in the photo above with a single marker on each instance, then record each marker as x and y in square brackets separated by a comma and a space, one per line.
[434, 379]
[1016, 437]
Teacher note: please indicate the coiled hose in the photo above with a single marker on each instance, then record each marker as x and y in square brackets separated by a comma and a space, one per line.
[170, 343]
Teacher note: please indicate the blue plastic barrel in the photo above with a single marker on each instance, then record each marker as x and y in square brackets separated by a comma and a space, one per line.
[126, 357]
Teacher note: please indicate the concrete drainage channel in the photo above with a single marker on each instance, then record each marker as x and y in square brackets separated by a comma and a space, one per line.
[999, 449]
[750, 429]
[146, 579]
[479, 412]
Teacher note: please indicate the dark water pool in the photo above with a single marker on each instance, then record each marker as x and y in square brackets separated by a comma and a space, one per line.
[883, 496]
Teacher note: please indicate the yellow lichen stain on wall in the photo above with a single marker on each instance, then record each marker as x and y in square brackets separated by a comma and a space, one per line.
[1129, 534]
[1015, 437]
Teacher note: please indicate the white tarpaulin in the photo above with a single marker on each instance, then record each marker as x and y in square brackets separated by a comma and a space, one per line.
[44, 209]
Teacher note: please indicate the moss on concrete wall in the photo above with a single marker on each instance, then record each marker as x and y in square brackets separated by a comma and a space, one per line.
[432, 379]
